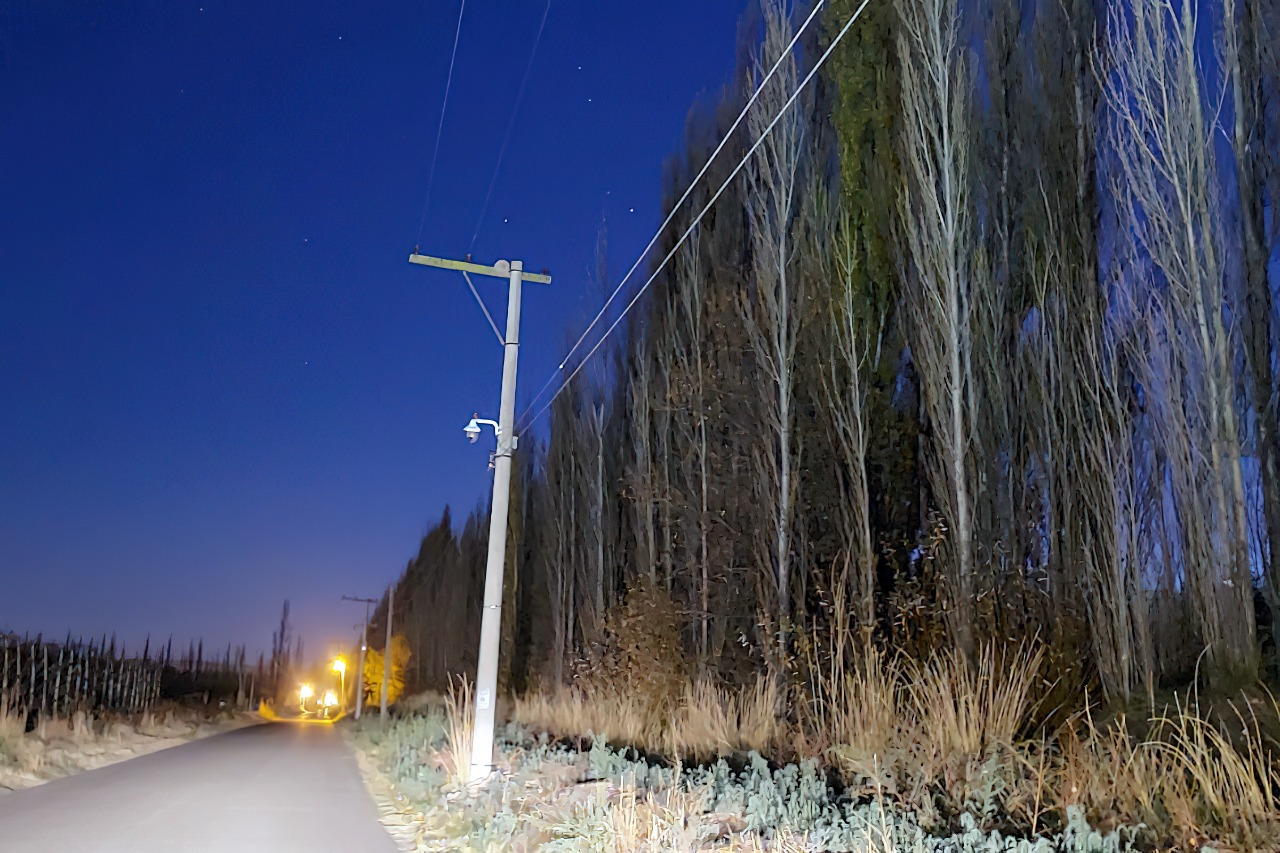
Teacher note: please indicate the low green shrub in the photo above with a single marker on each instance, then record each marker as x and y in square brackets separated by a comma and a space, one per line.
[553, 798]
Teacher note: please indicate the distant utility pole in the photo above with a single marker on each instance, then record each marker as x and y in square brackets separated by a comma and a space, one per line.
[364, 643]
[491, 619]
[386, 652]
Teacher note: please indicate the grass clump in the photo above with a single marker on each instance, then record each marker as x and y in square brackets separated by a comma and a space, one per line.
[459, 704]
[16, 749]
[964, 722]
[575, 712]
[1189, 778]
[711, 720]
[707, 720]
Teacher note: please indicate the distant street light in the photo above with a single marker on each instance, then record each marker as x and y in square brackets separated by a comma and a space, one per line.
[340, 667]
[305, 692]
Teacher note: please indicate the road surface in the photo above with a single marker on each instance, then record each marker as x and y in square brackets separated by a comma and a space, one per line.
[264, 789]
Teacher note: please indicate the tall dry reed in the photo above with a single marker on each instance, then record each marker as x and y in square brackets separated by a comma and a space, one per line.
[571, 712]
[459, 711]
[1186, 779]
[711, 720]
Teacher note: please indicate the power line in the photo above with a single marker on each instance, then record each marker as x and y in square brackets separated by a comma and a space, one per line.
[448, 83]
[676, 207]
[511, 123]
[741, 164]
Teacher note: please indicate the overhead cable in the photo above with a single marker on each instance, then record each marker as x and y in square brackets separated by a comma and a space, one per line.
[435, 154]
[675, 209]
[741, 164]
[511, 123]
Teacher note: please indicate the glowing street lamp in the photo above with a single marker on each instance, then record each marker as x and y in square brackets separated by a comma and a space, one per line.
[305, 692]
[340, 667]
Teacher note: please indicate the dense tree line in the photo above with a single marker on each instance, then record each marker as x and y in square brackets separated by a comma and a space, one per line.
[981, 345]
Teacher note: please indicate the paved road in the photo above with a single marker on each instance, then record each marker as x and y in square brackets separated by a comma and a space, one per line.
[265, 789]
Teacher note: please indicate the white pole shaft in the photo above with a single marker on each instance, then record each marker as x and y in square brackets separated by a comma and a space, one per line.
[491, 620]
[364, 641]
[386, 652]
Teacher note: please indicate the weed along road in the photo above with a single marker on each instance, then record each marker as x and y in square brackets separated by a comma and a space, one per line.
[262, 789]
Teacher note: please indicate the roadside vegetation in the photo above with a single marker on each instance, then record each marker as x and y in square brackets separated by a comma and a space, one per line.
[937, 466]
[65, 745]
[76, 705]
[891, 756]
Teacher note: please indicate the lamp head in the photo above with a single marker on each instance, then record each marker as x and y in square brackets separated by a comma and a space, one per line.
[472, 429]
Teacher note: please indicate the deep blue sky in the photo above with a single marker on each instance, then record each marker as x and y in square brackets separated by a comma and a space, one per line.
[221, 383]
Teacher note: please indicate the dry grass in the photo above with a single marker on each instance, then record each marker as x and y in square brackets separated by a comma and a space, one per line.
[964, 722]
[16, 749]
[62, 746]
[1187, 778]
[459, 710]
[574, 712]
[942, 733]
[920, 733]
[970, 710]
[1115, 777]
[706, 721]
[1222, 788]
[656, 821]
[711, 720]
[944, 737]
[859, 719]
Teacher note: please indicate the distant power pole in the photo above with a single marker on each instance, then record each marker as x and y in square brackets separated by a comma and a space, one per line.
[491, 619]
[364, 643]
[386, 652]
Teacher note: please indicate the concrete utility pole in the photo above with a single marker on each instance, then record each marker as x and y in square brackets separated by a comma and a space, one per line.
[364, 644]
[386, 652]
[491, 619]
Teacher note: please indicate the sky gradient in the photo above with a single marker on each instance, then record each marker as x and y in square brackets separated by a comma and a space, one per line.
[221, 383]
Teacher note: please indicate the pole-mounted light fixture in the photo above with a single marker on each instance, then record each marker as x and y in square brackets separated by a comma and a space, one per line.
[472, 429]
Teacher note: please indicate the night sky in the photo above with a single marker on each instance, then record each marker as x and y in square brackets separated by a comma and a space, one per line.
[221, 383]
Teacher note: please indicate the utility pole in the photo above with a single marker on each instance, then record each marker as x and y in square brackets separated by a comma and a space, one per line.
[364, 643]
[491, 619]
[386, 652]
